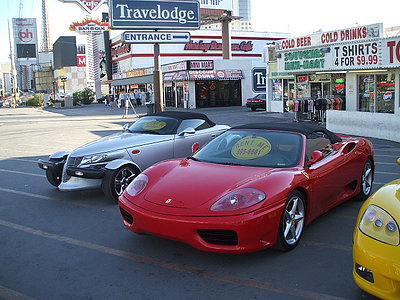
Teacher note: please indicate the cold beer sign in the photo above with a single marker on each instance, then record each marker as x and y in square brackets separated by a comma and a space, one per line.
[134, 14]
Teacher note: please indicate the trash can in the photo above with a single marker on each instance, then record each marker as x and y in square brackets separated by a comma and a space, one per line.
[150, 108]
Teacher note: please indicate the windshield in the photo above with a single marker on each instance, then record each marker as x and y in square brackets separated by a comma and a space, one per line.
[255, 148]
[155, 125]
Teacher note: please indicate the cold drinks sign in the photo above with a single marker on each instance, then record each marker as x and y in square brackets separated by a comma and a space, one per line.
[136, 14]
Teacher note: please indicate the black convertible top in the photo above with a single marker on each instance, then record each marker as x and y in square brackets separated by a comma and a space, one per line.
[304, 128]
[183, 115]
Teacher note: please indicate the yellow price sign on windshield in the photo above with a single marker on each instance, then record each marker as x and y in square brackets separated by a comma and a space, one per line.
[154, 125]
[251, 147]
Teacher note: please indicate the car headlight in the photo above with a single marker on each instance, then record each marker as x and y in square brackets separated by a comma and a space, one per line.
[102, 157]
[239, 199]
[380, 225]
[137, 185]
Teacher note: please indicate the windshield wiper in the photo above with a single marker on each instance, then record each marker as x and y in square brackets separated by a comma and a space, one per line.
[192, 158]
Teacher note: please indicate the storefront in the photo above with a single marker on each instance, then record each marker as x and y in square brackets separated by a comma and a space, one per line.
[195, 74]
[355, 70]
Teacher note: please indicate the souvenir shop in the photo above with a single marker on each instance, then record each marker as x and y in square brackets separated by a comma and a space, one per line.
[347, 78]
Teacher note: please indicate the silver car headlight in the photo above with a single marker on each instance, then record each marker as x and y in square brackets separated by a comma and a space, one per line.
[101, 157]
[380, 225]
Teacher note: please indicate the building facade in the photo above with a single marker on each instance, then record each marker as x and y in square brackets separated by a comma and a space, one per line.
[194, 73]
[348, 78]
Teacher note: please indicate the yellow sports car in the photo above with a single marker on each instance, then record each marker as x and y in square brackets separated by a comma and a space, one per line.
[376, 249]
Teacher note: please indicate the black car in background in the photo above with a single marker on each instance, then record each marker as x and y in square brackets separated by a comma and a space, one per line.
[258, 101]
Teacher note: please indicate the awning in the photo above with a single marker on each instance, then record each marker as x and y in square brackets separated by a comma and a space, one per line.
[133, 80]
[215, 74]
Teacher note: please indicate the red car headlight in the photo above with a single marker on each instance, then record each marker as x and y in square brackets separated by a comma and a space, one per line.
[137, 185]
[239, 199]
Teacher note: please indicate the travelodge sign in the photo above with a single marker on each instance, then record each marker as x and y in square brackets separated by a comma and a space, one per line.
[140, 14]
[88, 5]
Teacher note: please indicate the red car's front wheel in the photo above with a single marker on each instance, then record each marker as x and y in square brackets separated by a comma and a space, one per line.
[292, 222]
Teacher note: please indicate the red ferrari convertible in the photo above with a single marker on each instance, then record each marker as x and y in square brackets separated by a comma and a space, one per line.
[252, 187]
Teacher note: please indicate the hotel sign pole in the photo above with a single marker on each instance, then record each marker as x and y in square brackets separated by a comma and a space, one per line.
[154, 15]
[158, 83]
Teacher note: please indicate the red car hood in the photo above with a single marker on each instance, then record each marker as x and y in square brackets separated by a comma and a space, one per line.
[191, 184]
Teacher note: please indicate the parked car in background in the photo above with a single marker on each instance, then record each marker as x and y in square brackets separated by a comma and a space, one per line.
[252, 187]
[258, 101]
[112, 162]
[376, 248]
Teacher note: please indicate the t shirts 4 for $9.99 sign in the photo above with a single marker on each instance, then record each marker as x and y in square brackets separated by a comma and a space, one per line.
[365, 54]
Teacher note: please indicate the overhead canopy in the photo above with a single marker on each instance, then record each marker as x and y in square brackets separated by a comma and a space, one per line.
[133, 80]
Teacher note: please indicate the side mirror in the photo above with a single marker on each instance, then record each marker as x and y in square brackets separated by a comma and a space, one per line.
[189, 130]
[195, 147]
[125, 127]
[316, 156]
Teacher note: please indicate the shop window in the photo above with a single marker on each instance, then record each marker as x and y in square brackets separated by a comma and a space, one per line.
[376, 93]
[277, 90]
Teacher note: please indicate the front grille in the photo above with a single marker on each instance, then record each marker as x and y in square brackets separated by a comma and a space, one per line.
[219, 237]
[71, 162]
[127, 216]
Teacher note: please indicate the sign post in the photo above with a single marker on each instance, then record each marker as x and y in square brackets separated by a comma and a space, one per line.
[147, 14]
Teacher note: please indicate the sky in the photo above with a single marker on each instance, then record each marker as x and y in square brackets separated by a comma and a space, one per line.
[296, 17]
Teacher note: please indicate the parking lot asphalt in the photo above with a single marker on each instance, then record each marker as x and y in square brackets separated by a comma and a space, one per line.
[57, 245]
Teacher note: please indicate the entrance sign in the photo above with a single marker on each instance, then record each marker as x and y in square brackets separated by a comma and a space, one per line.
[151, 37]
[145, 14]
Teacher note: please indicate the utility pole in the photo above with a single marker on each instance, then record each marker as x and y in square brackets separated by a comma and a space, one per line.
[13, 71]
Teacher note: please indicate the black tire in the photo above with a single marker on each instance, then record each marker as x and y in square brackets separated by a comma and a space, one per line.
[292, 222]
[116, 181]
[253, 108]
[54, 176]
[367, 178]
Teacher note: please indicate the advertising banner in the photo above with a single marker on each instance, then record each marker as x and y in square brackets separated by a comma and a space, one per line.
[361, 55]
[216, 4]
[88, 5]
[25, 39]
[330, 37]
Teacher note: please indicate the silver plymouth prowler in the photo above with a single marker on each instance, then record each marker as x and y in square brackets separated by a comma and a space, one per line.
[112, 162]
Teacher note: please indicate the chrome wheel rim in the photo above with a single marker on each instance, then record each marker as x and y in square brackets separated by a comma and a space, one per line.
[293, 221]
[123, 178]
[366, 179]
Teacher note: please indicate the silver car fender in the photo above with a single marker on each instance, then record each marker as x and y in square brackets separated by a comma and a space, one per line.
[59, 155]
[117, 163]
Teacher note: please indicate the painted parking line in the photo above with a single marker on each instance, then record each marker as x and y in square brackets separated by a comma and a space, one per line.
[21, 173]
[36, 196]
[8, 294]
[18, 159]
[173, 266]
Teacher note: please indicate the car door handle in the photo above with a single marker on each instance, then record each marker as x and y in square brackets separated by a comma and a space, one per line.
[213, 135]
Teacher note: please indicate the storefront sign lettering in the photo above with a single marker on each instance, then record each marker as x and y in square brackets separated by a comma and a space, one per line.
[362, 54]
[305, 59]
[215, 46]
[337, 36]
[394, 51]
[201, 65]
[121, 49]
[259, 79]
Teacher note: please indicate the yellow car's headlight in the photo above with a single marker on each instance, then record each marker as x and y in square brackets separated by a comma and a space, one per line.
[380, 225]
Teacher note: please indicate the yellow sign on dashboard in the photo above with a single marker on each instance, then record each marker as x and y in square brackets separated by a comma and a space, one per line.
[251, 147]
[154, 125]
